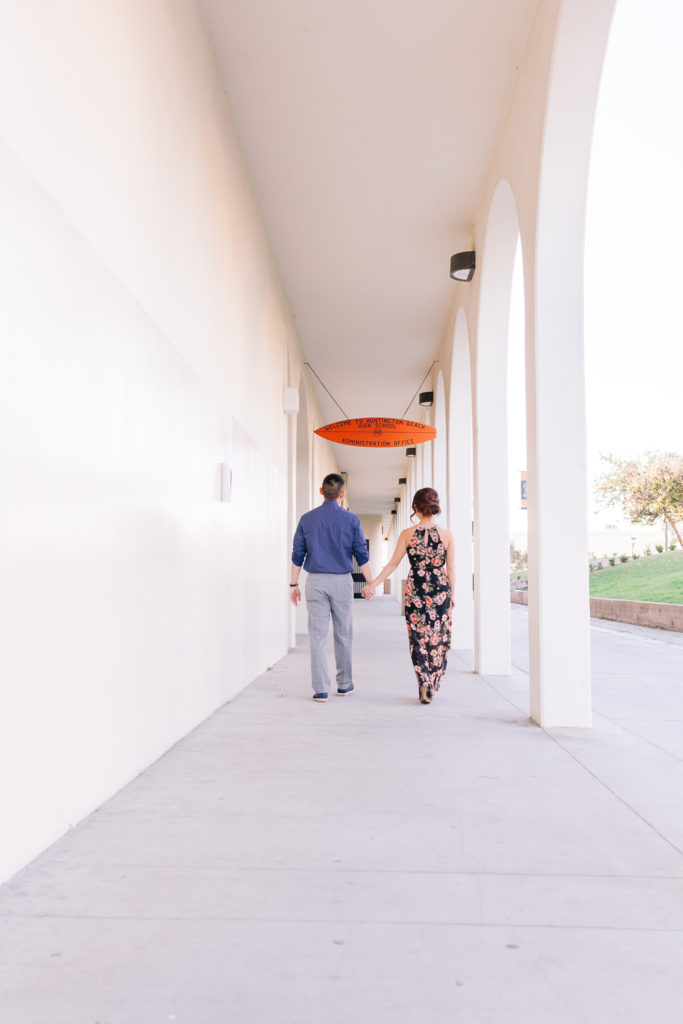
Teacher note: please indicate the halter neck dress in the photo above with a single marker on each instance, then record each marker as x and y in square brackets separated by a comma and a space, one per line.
[428, 607]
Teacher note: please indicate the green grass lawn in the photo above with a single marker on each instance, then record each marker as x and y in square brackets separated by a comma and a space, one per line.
[657, 578]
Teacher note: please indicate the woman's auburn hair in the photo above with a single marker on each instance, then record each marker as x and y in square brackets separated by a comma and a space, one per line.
[426, 502]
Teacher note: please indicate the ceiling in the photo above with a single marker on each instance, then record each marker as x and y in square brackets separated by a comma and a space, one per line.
[368, 128]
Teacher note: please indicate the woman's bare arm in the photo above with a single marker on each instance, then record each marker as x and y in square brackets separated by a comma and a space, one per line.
[401, 548]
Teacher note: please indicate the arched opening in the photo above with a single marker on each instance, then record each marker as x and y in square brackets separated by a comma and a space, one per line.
[423, 455]
[440, 456]
[428, 474]
[412, 486]
[491, 535]
[516, 424]
[460, 482]
[420, 463]
[636, 166]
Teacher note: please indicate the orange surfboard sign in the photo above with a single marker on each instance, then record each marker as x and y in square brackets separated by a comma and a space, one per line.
[377, 432]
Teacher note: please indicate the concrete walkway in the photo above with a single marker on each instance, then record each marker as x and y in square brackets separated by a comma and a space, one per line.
[377, 861]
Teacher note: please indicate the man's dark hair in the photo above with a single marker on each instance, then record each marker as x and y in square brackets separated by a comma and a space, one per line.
[333, 485]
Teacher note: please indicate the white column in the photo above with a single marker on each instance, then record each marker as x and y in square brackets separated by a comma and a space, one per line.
[491, 535]
[559, 641]
[559, 647]
[460, 484]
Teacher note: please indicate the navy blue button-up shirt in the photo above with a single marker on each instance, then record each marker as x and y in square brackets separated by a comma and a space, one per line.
[327, 537]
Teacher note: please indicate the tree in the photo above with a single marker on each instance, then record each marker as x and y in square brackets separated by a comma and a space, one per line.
[647, 489]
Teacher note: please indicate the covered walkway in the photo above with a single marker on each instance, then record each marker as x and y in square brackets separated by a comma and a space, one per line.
[374, 860]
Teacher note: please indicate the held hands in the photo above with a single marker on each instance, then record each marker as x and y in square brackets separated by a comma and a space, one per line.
[368, 591]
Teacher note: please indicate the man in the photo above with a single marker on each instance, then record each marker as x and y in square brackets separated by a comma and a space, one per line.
[324, 543]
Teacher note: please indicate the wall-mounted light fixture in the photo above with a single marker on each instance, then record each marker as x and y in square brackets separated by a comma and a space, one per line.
[462, 266]
[397, 500]
[403, 480]
[426, 398]
[411, 452]
[393, 511]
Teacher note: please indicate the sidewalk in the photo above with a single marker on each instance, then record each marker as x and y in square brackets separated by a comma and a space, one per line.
[375, 861]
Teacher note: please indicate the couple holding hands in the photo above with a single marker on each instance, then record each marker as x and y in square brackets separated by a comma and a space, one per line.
[325, 542]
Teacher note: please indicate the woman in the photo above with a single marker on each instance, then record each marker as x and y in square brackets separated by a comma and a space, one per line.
[429, 590]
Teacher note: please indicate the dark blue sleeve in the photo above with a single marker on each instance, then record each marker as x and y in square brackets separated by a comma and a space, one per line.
[299, 546]
[359, 546]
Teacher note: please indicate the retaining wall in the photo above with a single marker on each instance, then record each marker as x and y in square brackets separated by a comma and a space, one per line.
[638, 613]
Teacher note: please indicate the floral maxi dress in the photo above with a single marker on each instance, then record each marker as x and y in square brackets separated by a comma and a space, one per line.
[428, 607]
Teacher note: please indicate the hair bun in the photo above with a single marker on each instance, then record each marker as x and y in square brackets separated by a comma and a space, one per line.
[426, 502]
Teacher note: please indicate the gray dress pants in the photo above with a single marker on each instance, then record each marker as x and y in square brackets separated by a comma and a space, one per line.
[328, 594]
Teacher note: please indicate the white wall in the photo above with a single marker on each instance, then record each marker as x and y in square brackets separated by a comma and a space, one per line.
[144, 339]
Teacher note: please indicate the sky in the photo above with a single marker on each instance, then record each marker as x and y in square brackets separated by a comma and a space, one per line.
[634, 254]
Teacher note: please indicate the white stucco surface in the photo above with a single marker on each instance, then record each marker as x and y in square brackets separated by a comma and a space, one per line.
[375, 859]
[145, 342]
